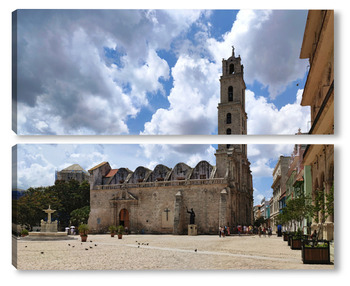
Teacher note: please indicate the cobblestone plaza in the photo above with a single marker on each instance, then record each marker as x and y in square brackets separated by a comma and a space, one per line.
[161, 252]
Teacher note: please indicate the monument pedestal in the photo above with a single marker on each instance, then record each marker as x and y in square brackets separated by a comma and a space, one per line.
[192, 229]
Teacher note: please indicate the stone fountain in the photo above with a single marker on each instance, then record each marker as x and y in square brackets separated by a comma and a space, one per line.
[48, 229]
[49, 226]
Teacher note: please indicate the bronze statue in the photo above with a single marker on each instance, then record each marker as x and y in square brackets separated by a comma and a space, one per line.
[192, 215]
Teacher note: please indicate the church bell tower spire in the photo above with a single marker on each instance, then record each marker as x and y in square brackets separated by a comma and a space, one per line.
[232, 118]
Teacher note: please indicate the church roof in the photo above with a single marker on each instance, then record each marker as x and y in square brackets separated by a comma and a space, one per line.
[98, 166]
[111, 173]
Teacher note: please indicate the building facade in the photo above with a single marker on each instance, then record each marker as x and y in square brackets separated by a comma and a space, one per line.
[158, 200]
[318, 47]
[73, 172]
[279, 189]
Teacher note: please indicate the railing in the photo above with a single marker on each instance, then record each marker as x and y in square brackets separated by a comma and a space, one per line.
[164, 184]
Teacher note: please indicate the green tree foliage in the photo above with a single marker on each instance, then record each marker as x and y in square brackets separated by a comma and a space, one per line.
[80, 216]
[31, 206]
[259, 221]
[64, 197]
[295, 211]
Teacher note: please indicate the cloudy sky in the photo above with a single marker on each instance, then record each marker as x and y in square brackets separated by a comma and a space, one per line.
[111, 72]
[37, 163]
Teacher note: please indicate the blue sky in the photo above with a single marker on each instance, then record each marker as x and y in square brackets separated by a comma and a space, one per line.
[155, 72]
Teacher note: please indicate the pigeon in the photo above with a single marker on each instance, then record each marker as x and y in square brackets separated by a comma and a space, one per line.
[90, 240]
[90, 246]
[195, 250]
[68, 244]
[138, 246]
[95, 244]
[25, 246]
[42, 252]
[73, 246]
[139, 243]
[86, 249]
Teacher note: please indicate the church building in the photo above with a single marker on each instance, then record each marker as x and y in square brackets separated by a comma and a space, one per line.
[159, 200]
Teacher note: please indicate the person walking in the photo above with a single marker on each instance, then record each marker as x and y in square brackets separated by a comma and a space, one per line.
[219, 231]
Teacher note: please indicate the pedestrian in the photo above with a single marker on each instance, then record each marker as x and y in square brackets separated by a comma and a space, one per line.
[314, 235]
[223, 232]
[219, 231]
[259, 230]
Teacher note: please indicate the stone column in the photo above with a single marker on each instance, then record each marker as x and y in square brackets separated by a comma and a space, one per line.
[222, 208]
[177, 213]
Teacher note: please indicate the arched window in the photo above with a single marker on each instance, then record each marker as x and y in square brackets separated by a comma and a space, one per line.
[228, 146]
[228, 131]
[228, 118]
[230, 93]
[232, 69]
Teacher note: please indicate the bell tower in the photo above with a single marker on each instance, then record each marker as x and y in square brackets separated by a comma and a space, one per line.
[232, 118]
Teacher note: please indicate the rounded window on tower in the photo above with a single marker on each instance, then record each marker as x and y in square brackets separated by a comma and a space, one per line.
[228, 131]
[228, 118]
[230, 93]
[232, 69]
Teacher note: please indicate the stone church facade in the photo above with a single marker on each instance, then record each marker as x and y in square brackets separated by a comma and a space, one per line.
[156, 201]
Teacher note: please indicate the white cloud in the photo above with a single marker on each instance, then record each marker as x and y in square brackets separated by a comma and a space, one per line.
[266, 118]
[66, 80]
[193, 100]
[170, 154]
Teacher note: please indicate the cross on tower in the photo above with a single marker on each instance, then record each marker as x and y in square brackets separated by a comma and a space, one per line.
[167, 211]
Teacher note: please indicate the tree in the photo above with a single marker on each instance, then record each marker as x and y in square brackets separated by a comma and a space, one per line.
[64, 197]
[323, 206]
[80, 216]
[259, 221]
[31, 206]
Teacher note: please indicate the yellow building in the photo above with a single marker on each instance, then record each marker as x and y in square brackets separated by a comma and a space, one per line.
[318, 47]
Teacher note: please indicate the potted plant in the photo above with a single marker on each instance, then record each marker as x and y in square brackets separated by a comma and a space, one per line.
[112, 229]
[83, 231]
[120, 231]
[296, 240]
[24, 232]
[315, 252]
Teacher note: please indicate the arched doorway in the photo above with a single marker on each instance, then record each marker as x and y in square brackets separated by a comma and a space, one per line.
[124, 218]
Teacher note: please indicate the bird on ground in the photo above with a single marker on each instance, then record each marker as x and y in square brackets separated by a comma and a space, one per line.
[68, 244]
[95, 244]
[25, 246]
[42, 252]
[90, 246]
[73, 246]
[86, 249]
[195, 250]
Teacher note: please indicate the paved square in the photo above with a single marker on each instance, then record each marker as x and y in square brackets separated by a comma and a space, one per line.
[140, 252]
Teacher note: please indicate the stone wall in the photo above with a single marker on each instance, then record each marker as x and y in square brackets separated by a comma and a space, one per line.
[160, 209]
